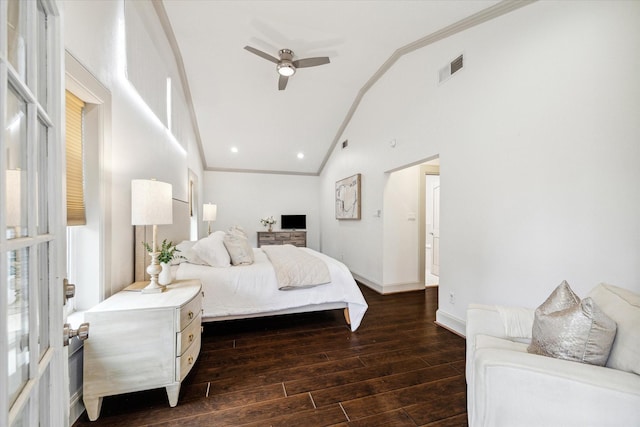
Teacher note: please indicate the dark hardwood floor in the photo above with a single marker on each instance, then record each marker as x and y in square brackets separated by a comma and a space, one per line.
[397, 369]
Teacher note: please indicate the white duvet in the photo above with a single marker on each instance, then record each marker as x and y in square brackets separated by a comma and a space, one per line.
[251, 289]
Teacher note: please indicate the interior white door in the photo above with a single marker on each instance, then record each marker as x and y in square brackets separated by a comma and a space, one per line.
[34, 386]
[435, 253]
[432, 210]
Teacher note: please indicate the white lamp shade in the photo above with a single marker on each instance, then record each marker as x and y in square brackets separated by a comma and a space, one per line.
[209, 212]
[14, 201]
[151, 202]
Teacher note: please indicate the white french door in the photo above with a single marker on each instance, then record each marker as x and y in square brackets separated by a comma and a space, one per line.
[33, 377]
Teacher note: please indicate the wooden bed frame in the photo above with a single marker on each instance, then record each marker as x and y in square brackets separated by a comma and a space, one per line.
[179, 231]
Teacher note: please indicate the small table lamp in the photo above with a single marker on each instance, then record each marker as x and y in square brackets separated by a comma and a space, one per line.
[151, 205]
[209, 213]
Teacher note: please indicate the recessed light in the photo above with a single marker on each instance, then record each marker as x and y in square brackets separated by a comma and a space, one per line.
[301, 155]
[234, 149]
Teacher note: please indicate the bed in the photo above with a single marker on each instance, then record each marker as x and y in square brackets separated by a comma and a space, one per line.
[248, 291]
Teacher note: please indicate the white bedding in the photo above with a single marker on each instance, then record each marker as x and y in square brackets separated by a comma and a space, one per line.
[251, 289]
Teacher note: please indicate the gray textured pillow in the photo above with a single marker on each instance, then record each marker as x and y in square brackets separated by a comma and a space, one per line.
[239, 249]
[566, 328]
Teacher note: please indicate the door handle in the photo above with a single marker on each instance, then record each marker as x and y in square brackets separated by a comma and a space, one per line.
[67, 333]
[68, 289]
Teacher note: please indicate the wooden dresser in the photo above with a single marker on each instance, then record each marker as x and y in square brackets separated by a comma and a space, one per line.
[141, 341]
[296, 238]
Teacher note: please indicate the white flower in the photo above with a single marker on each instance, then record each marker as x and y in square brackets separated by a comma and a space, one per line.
[269, 220]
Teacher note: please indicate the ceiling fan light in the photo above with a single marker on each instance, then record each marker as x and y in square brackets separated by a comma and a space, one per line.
[286, 70]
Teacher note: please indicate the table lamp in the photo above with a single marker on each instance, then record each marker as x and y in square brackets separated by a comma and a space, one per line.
[151, 205]
[209, 213]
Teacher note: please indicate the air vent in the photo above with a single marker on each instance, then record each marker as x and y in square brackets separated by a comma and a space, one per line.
[345, 143]
[447, 71]
[456, 64]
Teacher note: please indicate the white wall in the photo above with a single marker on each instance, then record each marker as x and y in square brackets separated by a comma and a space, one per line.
[400, 229]
[244, 198]
[538, 144]
[140, 146]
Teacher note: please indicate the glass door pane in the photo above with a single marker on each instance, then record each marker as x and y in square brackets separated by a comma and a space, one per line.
[16, 29]
[43, 57]
[43, 300]
[42, 181]
[16, 177]
[18, 321]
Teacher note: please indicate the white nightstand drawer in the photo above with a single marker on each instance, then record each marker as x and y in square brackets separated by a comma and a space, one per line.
[189, 312]
[187, 336]
[185, 362]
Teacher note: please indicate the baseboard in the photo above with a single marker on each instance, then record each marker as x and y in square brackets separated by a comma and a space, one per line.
[452, 323]
[369, 284]
[403, 287]
[389, 289]
[76, 407]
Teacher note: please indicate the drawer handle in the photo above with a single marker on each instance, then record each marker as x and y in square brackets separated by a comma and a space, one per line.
[190, 337]
[190, 315]
[190, 360]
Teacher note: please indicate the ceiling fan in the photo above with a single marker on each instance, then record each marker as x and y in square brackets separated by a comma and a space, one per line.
[286, 66]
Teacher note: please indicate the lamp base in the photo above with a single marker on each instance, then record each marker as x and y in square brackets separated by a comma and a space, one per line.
[153, 269]
[150, 289]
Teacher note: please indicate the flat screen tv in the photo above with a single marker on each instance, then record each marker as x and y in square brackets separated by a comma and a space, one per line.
[293, 222]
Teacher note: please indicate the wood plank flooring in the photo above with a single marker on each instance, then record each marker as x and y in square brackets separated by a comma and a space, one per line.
[397, 369]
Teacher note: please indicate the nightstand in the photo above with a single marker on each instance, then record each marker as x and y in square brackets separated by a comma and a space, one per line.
[141, 341]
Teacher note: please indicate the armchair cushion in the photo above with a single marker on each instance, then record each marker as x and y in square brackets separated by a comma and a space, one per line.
[622, 306]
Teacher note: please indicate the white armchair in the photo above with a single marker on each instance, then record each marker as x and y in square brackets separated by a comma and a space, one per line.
[506, 386]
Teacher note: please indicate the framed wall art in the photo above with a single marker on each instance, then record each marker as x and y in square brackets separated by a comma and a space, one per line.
[348, 198]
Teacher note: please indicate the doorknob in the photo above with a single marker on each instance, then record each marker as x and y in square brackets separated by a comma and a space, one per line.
[67, 333]
[69, 290]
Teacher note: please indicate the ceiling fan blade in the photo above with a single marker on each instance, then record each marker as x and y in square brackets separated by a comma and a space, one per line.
[282, 82]
[262, 54]
[311, 62]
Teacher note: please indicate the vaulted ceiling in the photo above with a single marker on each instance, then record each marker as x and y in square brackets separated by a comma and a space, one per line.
[235, 93]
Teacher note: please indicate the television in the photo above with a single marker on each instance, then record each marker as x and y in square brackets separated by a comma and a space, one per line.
[293, 222]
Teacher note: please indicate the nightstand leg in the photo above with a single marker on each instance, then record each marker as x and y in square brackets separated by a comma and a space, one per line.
[173, 391]
[93, 406]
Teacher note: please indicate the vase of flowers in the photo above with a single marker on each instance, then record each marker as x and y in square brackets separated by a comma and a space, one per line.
[167, 252]
[268, 222]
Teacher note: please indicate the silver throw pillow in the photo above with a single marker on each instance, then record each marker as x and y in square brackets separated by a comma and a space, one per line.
[566, 328]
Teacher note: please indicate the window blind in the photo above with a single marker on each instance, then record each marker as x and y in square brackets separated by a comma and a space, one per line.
[75, 168]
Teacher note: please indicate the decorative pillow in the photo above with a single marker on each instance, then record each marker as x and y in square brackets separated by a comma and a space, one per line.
[187, 254]
[239, 248]
[236, 229]
[566, 328]
[623, 306]
[212, 250]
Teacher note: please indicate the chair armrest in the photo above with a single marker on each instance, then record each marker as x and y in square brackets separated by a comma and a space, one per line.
[550, 392]
[485, 320]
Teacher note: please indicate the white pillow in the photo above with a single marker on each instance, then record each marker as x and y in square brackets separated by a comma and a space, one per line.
[212, 251]
[186, 254]
[623, 306]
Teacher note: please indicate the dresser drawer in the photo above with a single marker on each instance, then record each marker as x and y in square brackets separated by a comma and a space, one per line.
[185, 362]
[187, 336]
[283, 236]
[190, 311]
[263, 237]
